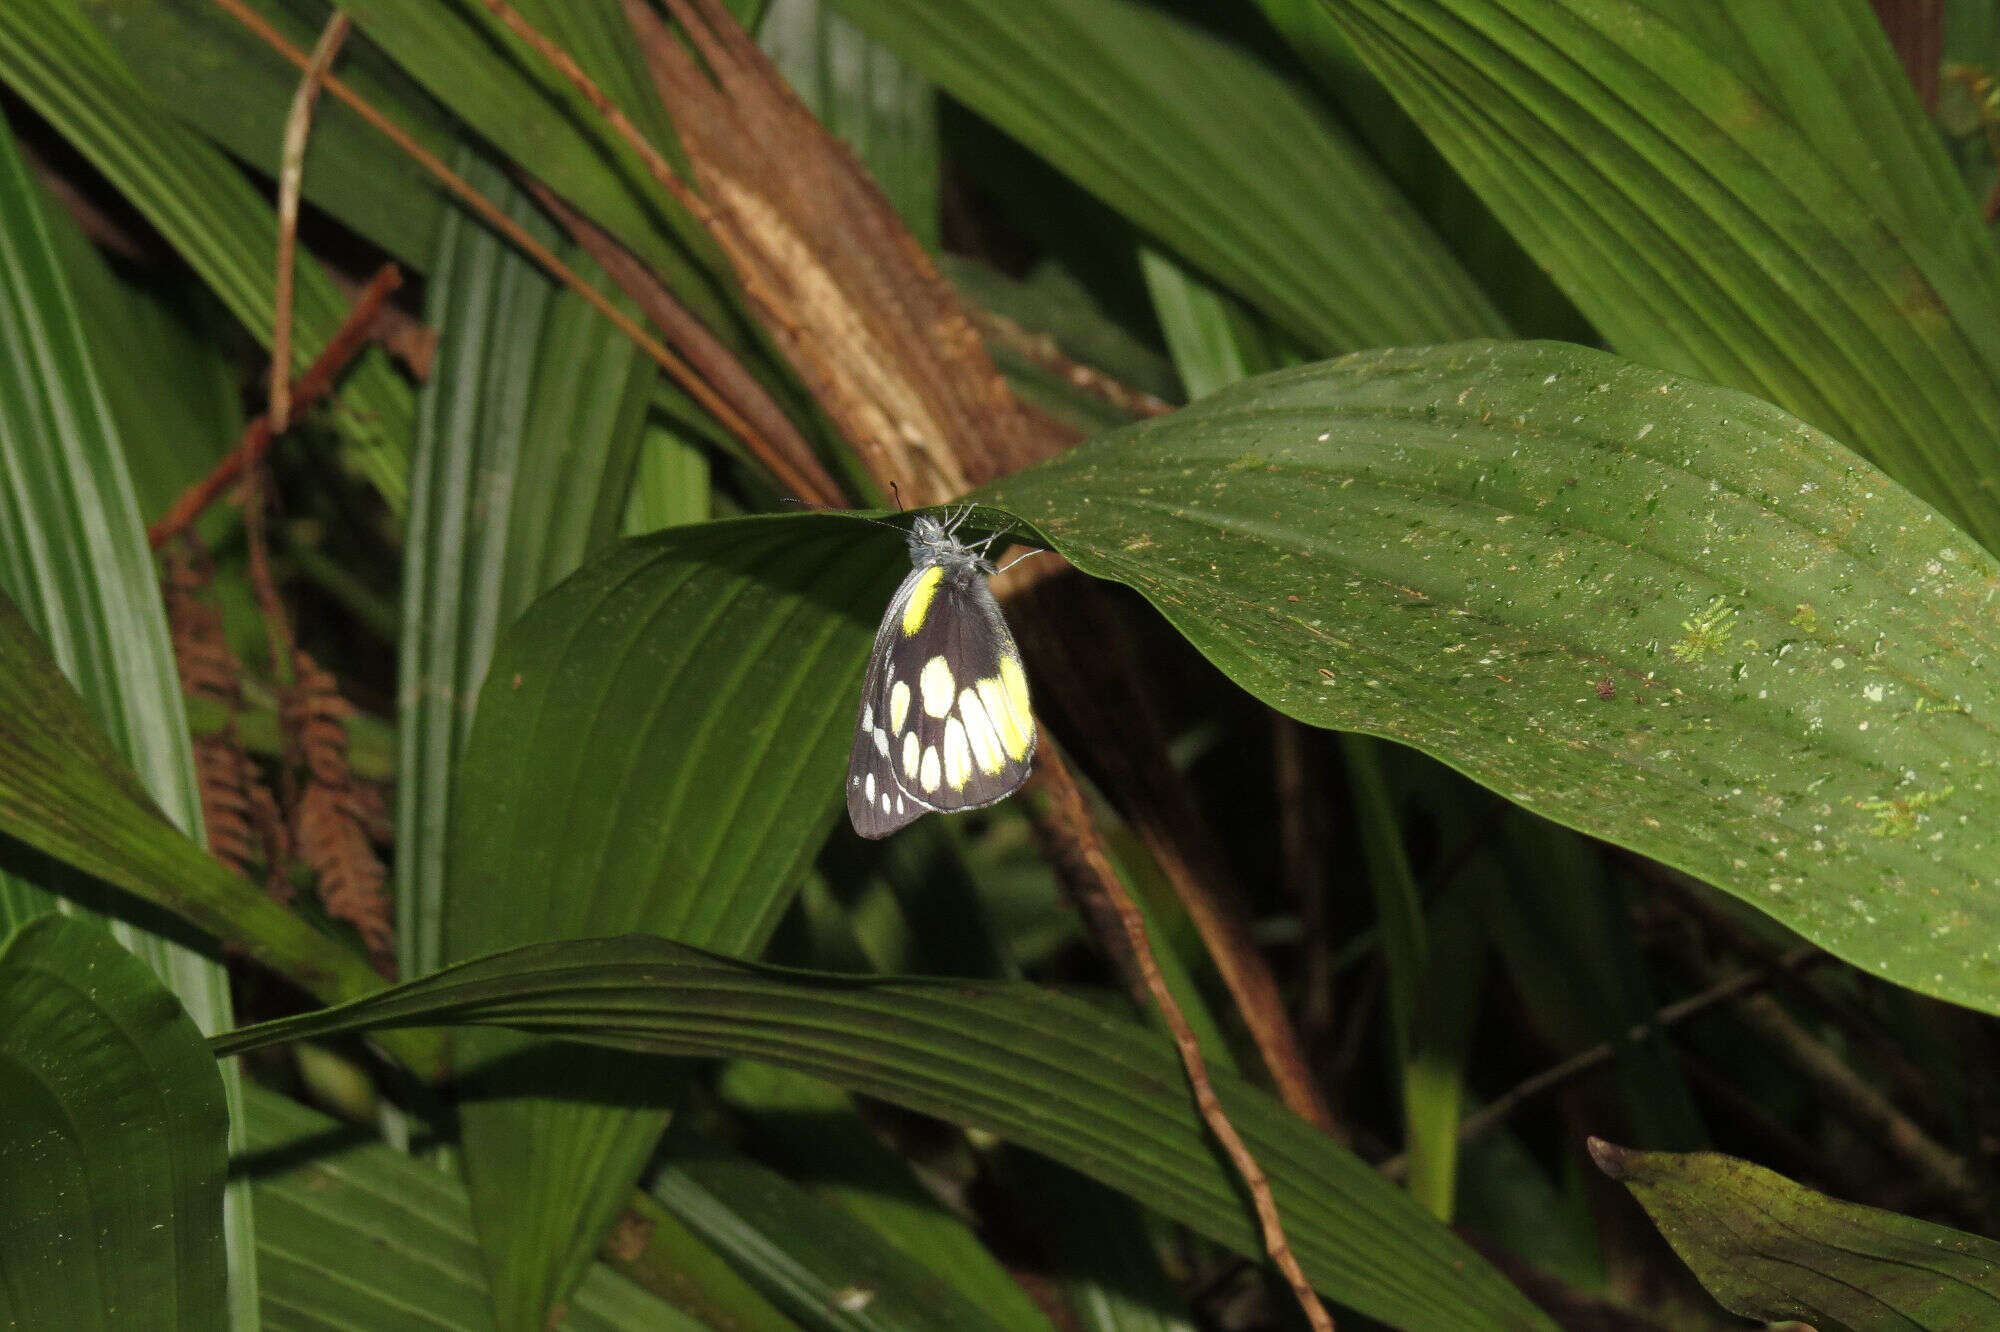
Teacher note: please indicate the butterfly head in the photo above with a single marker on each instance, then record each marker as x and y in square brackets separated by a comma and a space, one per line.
[935, 541]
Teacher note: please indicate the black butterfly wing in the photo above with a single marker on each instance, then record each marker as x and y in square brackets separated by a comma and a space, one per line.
[945, 719]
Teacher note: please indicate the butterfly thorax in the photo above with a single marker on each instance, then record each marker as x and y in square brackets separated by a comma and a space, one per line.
[932, 542]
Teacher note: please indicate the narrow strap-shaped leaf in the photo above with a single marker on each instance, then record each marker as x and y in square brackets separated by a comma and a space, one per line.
[112, 1123]
[202, 204]
[1096, 1092]
[1748, 193]
[1157, 117]
[73, 551]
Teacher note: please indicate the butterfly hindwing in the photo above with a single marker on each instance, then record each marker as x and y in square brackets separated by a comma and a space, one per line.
[945, 723]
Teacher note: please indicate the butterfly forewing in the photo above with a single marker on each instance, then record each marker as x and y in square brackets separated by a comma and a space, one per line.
[945, 723]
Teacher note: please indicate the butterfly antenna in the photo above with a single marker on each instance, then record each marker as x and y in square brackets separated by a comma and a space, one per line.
[1024, 555]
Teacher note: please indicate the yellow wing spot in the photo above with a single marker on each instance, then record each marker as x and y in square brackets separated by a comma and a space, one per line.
[980, 733]
[1013, 730]
[1016, 681]
[957, 755]
[927, 773]
[922, 593]
[899, 705]
[936, 684]
[910, 748]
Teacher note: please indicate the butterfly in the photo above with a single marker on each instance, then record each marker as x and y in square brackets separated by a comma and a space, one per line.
[945, 723]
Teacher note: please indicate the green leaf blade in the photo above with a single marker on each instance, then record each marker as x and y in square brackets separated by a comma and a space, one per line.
[1771, 1249]
[658, 746]
[1094, 1091]
[1660, 612]
[112, 1154]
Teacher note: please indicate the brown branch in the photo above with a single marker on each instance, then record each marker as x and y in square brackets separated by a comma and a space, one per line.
[307, 389]
[790, 458]
[725, 413]
[1089, 860]
[291, 176]
[1042, 350]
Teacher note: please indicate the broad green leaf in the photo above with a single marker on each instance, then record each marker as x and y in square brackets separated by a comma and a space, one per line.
[526, 434]
[1155, 116]
[1058, 1076]
[1661, 612]
[73, 552]
[57, 62]
[659, 747]
[809, 1257]
[1745, 193]
[194, 58]
[353, 1235]
[868, 99]
[1770, 1249]
[670, 483]
[112, 1127]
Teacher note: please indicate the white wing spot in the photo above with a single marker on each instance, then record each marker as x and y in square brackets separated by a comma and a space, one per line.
[936, 683]
[909, 756]
[867, 716]
[928, 774]
[957, 755]
[899, 705]
[980, 732]
[882, 742]
[868, 787]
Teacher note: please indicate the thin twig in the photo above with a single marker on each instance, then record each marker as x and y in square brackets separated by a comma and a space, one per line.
[291, 176]
[1502, 1107]
[1042, 350]
[1071, 817]
[307, 389]
[676, 368]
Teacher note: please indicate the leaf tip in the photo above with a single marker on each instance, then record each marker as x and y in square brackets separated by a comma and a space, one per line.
[1612, 1159]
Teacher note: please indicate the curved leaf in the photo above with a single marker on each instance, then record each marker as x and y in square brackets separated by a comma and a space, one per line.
[1096, 1092]
[111, 1142]
[1770, 1249]
[1152, 114]
[1748, 193]
[658, 746]
[1658, 611]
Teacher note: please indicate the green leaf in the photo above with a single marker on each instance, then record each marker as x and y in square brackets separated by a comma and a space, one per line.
[659, 746]
[526, 437]
[66, 793]
[111, 1142]
[209, 70]
[1151, 114]
[1770, 1249]
[57, 62]
[1745, 193]
[1098, 1093]
[867, 98]
[73, 551]
[809, 1257]
[354, 1235]
[1457, 547]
